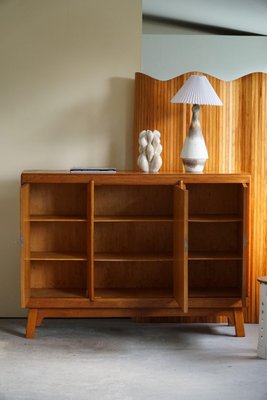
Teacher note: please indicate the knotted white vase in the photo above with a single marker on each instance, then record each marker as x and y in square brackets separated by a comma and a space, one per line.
[149, 159]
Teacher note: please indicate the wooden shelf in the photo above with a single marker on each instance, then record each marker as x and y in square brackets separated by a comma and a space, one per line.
[56, 218]
[122, 293]
[57, 293]
[215, 292]
[132, 257]
[214, 218]
[214, 256]
[132, 218]
[56, 256]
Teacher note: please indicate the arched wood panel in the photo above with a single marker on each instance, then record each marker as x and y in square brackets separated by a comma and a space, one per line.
[236, 139]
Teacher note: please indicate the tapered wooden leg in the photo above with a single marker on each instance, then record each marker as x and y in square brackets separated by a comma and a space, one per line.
[31, 323]
[239, 322]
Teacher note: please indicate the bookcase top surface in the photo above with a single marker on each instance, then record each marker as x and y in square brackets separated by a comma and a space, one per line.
[131, 177]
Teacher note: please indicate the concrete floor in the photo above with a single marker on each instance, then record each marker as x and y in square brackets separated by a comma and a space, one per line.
[123, 360]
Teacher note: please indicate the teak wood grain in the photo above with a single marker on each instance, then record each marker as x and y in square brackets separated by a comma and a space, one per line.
[132, 178]
[235, 136]
[136, 258]
[25, 244]
[180, 247]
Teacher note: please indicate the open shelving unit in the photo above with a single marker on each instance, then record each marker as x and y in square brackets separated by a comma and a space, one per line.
[133, 244]
[217, 230]
[55, 249]
[133, 241]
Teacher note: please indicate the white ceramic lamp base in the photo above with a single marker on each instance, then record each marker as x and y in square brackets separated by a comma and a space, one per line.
[193, 165]
[194, 152]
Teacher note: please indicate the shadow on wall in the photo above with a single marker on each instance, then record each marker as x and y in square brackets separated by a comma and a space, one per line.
[9, 249]
[121, 122]
[117, 135]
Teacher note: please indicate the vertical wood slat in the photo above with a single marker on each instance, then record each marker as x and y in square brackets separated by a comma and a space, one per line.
[236, 138]
[25, 244]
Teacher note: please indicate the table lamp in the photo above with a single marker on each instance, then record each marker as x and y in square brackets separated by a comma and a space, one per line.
[196, 90]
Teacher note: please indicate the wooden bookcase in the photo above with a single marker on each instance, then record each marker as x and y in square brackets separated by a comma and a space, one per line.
[134, 245]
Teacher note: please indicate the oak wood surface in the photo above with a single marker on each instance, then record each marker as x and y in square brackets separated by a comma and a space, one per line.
[109, 312]
[109, 218]
[46, 292]
[120, 264]
[24, 244]
[136, 275]
[245, 244]
[133, 177]
[56, 255]
[56, 218]
[214, 218]
[204, 255]
[129, 257]
[239, 322]
[58, 274]
[180, 247]
[133, 201]
[136, 238]
[60, 200]
[31, 323]
[121, 298]
[215, 276]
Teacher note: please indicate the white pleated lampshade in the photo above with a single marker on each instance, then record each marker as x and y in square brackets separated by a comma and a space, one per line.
[197, 90]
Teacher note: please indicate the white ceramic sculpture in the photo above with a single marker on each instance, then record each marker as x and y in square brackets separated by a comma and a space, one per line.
[149, 159]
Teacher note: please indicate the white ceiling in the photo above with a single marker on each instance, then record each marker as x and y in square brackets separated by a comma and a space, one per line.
[246, 17]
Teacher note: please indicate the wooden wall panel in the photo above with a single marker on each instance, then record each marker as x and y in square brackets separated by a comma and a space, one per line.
[236, 138]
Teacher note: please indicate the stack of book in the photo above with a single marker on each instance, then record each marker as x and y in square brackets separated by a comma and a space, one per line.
[93, 170]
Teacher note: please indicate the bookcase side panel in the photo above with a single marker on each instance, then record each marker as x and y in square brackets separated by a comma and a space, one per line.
[25, 244]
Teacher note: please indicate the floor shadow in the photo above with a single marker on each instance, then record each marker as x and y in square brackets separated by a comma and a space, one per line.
[14, 328]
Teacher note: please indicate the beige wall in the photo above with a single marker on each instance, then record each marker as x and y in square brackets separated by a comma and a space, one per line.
[66, 99]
